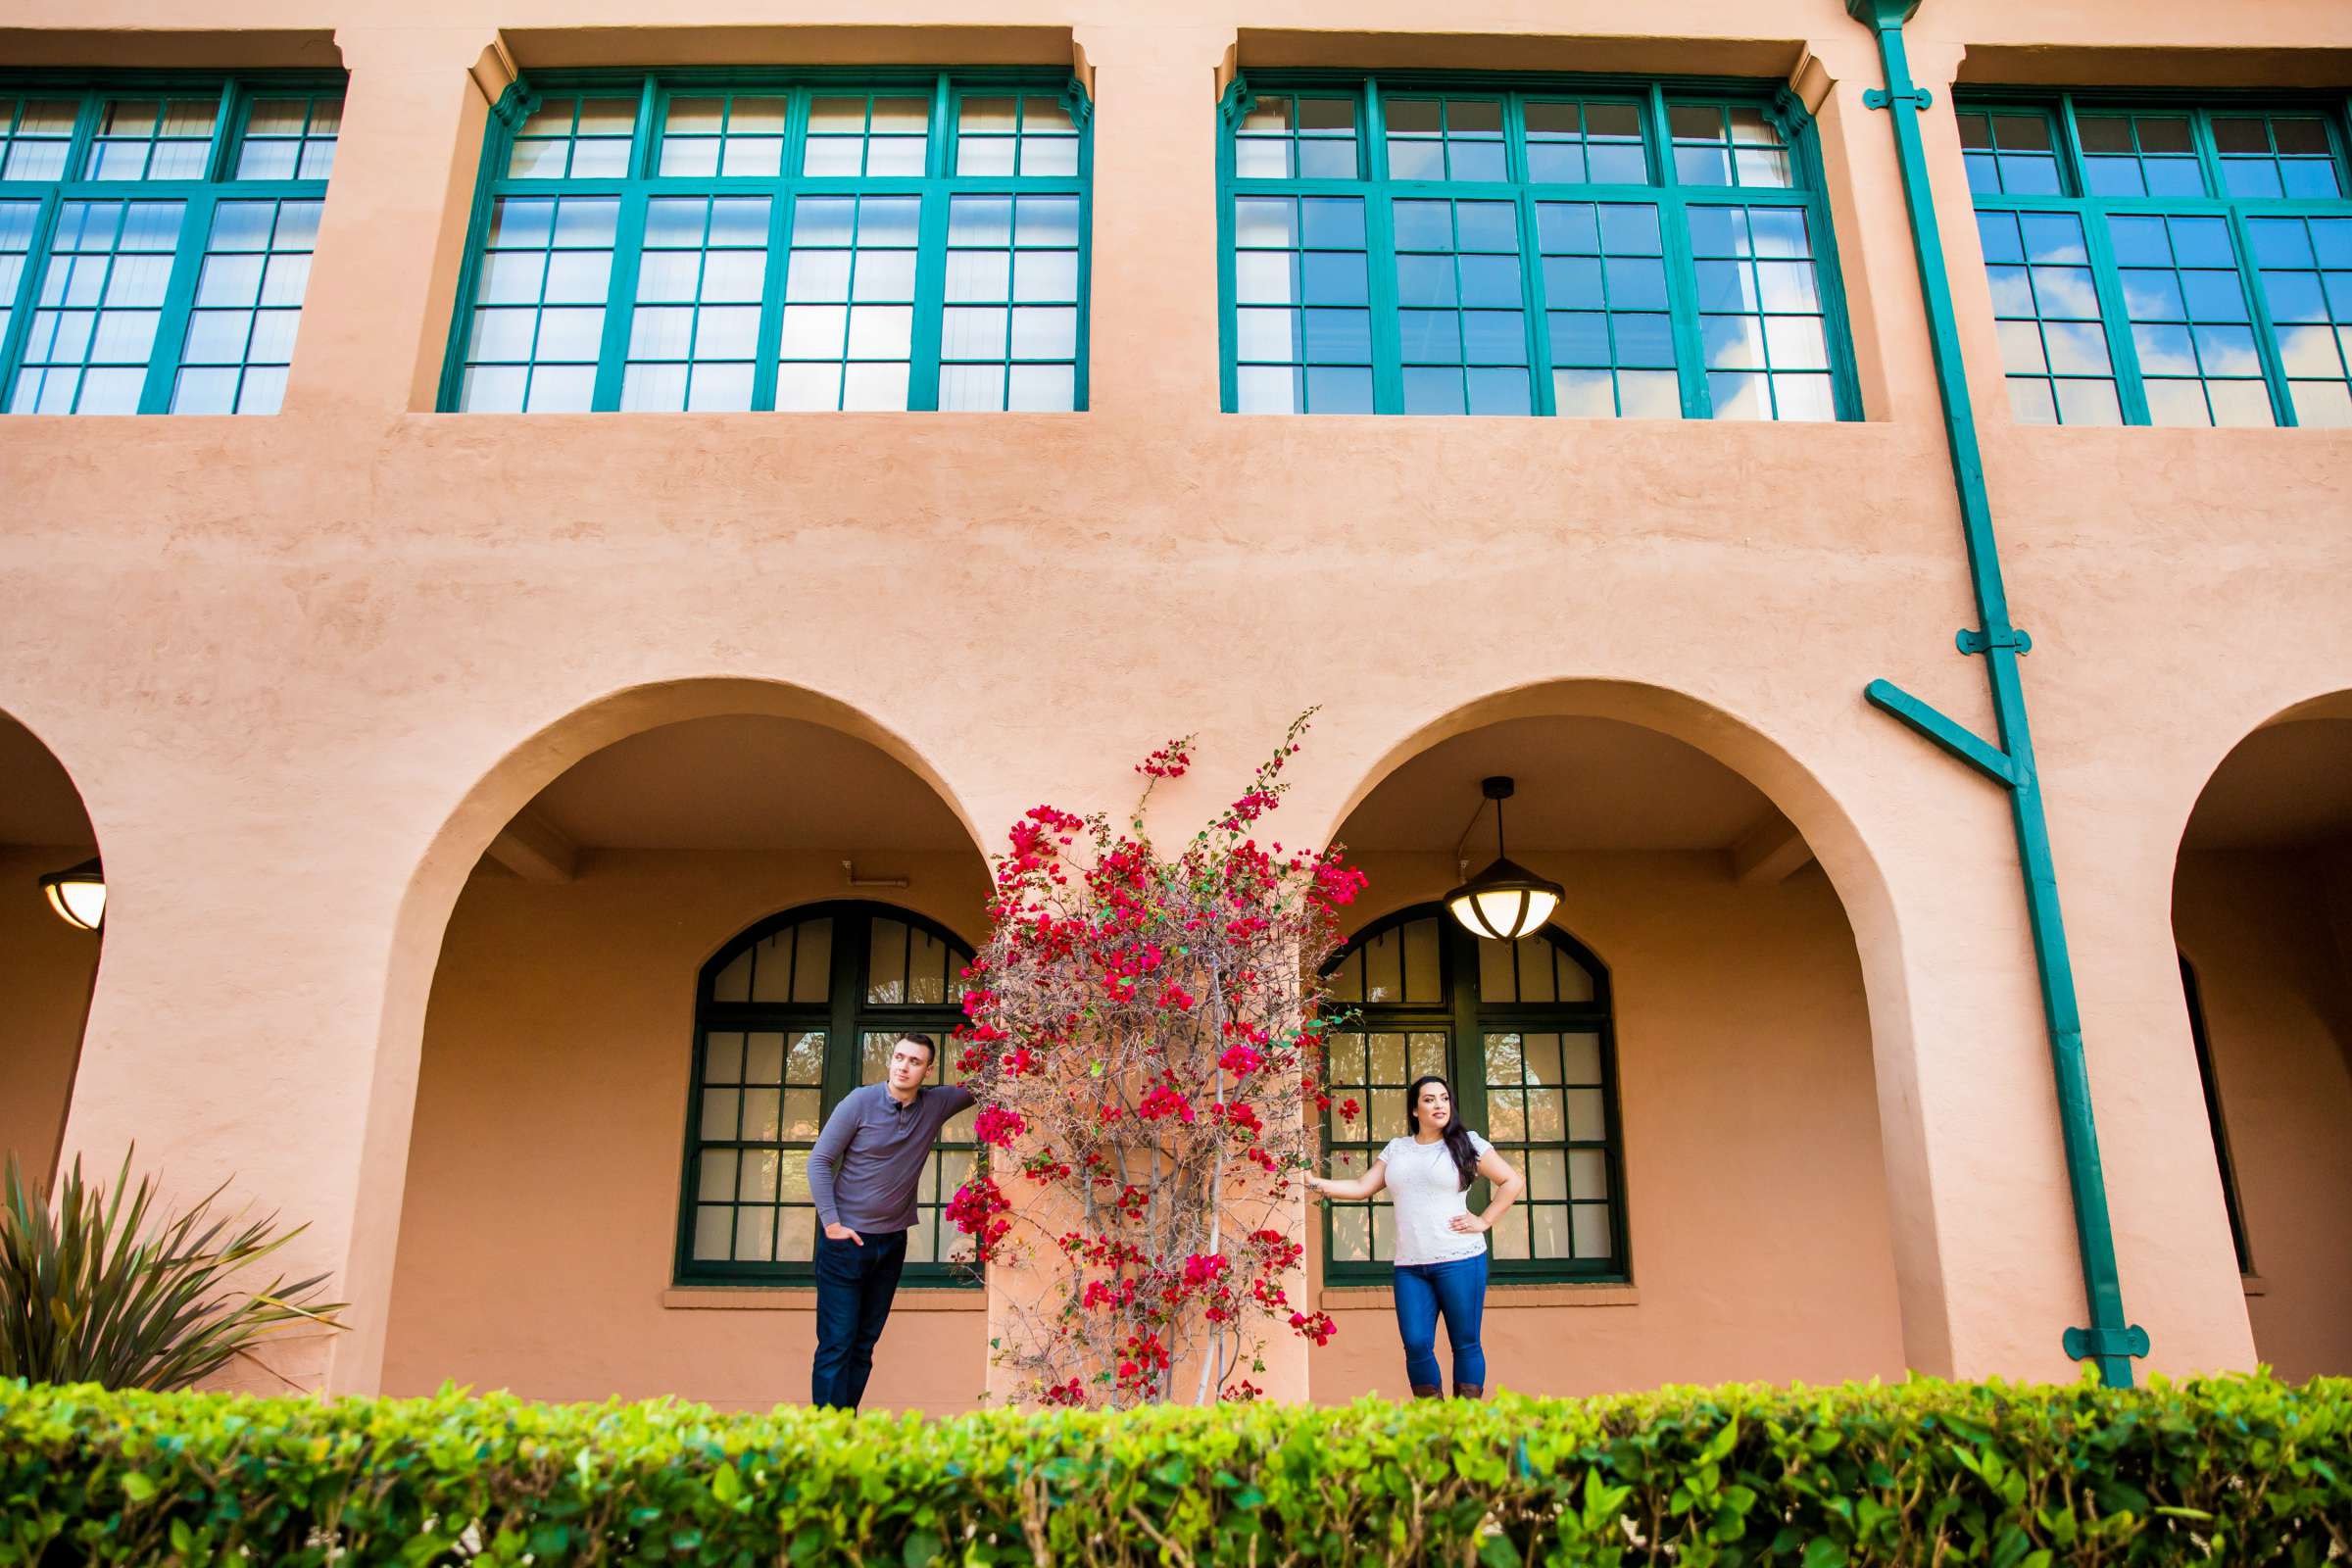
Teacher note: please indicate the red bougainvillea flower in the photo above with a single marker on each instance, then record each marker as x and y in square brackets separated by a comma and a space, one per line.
[1145, 1036]
[999, 1127]
[1316, 1326]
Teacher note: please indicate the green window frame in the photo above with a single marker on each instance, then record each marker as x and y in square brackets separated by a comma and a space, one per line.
[156, 231]
[1524, 1032]
[2167, 260]
[735, 241]
[789, 1016]
[1588, 246]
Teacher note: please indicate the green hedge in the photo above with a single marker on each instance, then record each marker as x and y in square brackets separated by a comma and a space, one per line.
[2240, 1470]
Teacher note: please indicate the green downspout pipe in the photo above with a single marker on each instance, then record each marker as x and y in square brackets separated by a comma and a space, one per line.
[2110, 1339]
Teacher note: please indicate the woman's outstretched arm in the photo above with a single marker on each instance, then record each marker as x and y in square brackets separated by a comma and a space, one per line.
[1364, 1186]
[1509, 1185]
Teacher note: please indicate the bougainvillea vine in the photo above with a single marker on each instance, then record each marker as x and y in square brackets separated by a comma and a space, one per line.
[1144, 1038]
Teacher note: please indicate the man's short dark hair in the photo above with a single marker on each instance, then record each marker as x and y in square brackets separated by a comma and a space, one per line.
[929, 1044]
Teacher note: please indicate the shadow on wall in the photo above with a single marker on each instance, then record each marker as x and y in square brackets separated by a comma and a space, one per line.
[47, 966]
[2262, 909]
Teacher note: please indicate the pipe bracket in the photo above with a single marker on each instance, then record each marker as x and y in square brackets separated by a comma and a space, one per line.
[1978, 642]
[1880, 98]
[2087, 1345]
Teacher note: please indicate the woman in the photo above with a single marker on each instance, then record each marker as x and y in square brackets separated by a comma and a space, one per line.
[1440, 1248]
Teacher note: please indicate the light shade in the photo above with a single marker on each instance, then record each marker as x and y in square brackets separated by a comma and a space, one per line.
[1506, 902]
[77, 894]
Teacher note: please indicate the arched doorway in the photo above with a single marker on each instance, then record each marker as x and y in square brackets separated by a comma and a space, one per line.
[1695, 1031]
[605, 989]
[2262, 910]
[47, 963]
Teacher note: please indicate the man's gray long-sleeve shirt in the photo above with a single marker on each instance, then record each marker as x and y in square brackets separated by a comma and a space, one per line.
[869, 1158]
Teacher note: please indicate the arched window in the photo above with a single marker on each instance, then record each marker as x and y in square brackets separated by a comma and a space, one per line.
[789, 1017]
[1522, 1030]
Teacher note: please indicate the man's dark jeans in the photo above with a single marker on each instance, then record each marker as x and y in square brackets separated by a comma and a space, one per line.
[854, 1289]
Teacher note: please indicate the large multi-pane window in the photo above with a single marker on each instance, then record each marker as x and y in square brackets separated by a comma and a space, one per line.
[1522, 1031]
[790, 1016]
[156, 238]
[683, 243]
[2166, 263]
[1589, 249]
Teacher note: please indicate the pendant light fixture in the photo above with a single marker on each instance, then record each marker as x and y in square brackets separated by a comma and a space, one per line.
[1507, 900]
[78, 895]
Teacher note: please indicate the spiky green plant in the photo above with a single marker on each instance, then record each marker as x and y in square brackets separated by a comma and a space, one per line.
[89, 1292]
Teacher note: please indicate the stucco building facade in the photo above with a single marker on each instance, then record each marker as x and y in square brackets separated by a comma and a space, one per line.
[447, 732]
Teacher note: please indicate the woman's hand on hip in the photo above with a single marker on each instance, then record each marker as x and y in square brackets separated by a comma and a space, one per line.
[1470, 1224]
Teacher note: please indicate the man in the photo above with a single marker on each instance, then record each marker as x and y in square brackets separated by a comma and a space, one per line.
[862, 1173]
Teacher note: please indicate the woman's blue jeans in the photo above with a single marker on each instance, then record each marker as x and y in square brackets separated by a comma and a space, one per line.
[1458, 1291]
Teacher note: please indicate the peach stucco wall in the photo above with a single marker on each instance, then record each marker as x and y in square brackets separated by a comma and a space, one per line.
[540, 1228]
[1753, 1181]
[2278, 1000]
[45, 972]
[307, 666]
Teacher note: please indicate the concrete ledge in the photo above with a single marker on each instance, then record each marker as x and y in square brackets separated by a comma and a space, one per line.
[802, 1298]
[1498, 1297]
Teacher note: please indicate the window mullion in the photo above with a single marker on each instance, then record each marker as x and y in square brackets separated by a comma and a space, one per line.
[224, 120]
[2122, 353]
[2266, 331]
[85, 134]
[853, 938]
[1656, 144]
[1682, 304]
[180, 294]
[930, 297]
[2072, 175]
[1380, 261]
[1458, 964]
[1674, 238]
[771, 294]
[2209, 153]
[796, 134]
[641, 138]
[1539, 320]
[620, 297]
[939, 156]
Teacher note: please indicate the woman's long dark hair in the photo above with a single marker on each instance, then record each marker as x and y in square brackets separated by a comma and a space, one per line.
[1457, 1135]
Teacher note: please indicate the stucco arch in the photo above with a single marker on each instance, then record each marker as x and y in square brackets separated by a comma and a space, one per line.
[2187, 786]
[1855, 872]
[465, 832]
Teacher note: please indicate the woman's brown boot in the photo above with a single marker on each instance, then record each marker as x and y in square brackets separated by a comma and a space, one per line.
[1469, 1390]
[1425, 1390]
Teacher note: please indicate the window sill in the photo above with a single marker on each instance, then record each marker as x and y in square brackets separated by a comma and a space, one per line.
[802, 1298]
[1609, 1293]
